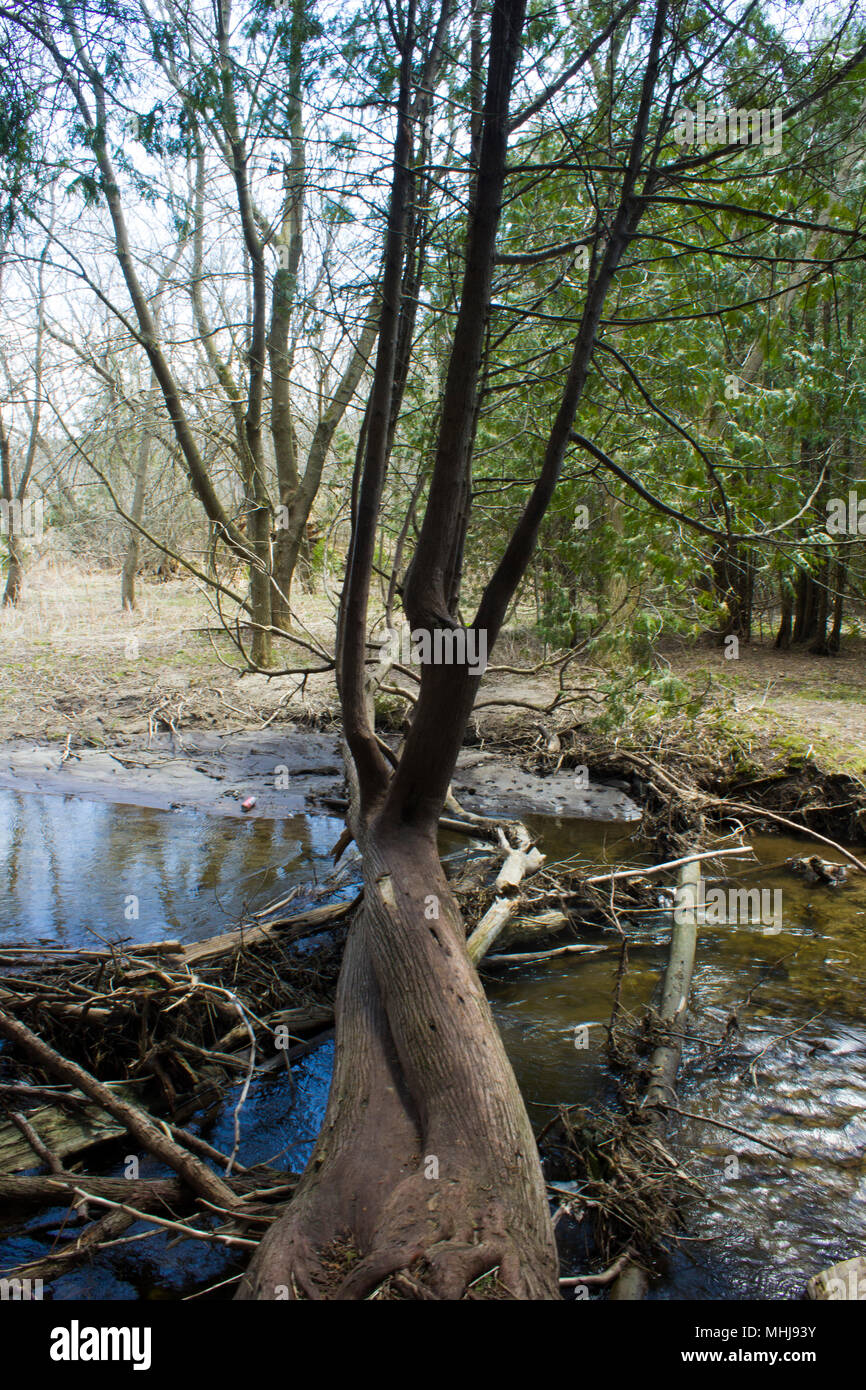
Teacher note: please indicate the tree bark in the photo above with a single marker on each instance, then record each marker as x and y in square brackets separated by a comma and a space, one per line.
[786, 619]
[426, 1161]
[11, 494]
[130, 561]
[426, 1168]
[834, 642]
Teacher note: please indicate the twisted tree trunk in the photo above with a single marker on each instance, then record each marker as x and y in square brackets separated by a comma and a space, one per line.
[426, 1169]
[426, 1161]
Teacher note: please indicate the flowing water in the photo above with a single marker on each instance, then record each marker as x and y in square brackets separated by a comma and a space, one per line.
[797, 1077]
[798, 1081]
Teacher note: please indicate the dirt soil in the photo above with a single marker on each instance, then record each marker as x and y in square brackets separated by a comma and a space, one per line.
[80, 673]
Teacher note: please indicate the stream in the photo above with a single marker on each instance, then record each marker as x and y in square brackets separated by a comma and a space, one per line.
[71, 866]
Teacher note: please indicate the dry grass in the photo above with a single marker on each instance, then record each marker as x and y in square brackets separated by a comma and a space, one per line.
[76, 664]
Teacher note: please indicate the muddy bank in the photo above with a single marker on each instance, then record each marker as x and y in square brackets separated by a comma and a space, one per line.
[287, 772]
[153, 841]
[297, 769]
[208, 772]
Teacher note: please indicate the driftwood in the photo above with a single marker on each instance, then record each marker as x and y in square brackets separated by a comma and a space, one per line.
[63, 1132]
[193, 1171]
[520, 859]
[303, 1020]
[166, 1018]
[845, 1281]
[148, 1017]
[71, 1123]
[510, 916]
[59, 953]
[308, 923]
[129, 1200]
[607, 1276]
[528, 929]
[817, 870]
[37, 1144]
[523, 957]
[58, 1188]
[650, 871]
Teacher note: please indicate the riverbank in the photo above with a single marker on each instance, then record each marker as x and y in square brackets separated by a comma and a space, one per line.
[153, 705]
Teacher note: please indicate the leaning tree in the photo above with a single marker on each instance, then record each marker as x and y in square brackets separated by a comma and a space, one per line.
[426, 1167]
[426, 1159]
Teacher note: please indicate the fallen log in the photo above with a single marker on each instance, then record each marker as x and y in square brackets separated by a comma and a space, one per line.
[520, 860]
[632, 1283]
[523, 930]
[58, 1188]
[491, 924]
[63, 1132]
[85, 1245]
[308, 923]
[133, 1199]
[60, 1008]
[297, 1021]
[192, 1170]
[64, 954]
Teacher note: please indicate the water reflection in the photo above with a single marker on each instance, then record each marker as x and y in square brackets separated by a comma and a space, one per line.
[70, 867]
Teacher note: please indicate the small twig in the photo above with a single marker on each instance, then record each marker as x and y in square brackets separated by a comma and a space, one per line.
[169, 1225]
[251, 1067]
[49, 1158]
[607, 1276]
[722, 1124]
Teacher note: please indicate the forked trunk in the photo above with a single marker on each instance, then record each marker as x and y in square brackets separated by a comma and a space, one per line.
[425, 1178]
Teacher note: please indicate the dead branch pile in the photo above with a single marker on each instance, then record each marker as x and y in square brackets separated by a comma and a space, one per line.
[105, 1043]
[684, 791]
[611, 1169]
[173, 1017]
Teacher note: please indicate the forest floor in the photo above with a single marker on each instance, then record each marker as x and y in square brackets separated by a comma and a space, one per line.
[77, 667]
